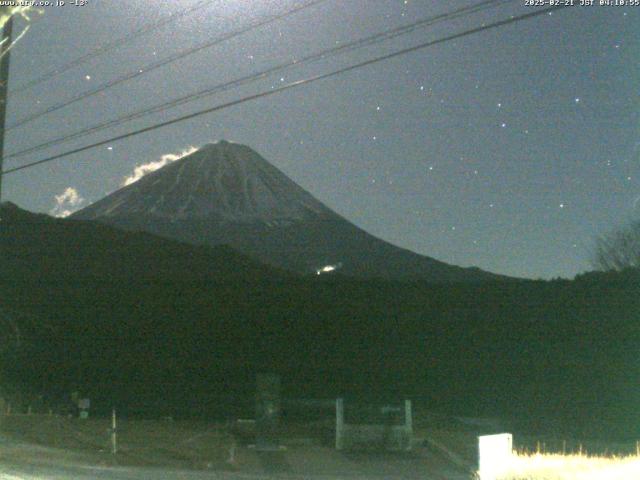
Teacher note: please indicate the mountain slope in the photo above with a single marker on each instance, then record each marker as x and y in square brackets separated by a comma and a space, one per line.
[71, 250]
[228, 194]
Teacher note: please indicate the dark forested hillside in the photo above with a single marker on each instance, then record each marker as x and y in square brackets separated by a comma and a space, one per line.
[128, 316]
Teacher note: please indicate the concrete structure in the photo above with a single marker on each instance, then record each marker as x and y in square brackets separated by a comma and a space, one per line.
[268, 408]
[389, 436]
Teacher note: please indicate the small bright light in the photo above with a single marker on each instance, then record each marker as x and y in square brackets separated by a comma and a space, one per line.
[328, 268]
[87, 77]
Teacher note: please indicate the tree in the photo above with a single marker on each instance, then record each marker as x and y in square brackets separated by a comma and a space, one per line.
[619, 250]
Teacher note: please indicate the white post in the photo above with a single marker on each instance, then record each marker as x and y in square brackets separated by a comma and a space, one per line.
[114, 438]
[494, 455]
[408, 420]
[339, 423]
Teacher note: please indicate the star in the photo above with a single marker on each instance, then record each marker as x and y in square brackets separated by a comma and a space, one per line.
[561, 205]
[503, 125]
[87, 77]
[577, 100]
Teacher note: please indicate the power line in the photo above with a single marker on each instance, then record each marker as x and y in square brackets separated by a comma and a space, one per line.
[110, 46]
[161, 63]
[292, 85]
[322, 55]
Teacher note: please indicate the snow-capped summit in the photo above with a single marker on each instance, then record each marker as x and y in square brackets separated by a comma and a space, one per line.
[223, 180]
[226, 193]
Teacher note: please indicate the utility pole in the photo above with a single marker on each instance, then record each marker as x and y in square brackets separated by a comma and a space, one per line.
[7, 33]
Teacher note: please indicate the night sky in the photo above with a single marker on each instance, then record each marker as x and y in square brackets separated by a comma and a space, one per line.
[510, 149]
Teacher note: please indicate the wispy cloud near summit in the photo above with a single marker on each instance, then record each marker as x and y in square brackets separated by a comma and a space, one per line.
[142, 170]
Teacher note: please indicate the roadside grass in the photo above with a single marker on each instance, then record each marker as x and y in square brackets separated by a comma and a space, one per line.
[550, 466]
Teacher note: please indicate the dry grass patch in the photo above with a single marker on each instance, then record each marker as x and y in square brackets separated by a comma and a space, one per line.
[538, 466]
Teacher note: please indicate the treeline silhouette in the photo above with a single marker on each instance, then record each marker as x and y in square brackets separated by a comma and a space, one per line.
[131, 319]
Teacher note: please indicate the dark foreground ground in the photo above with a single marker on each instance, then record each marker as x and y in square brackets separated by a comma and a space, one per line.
[37, 447]
[43, 447]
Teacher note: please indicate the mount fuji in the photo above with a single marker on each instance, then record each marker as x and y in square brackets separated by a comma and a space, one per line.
[226, 193]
